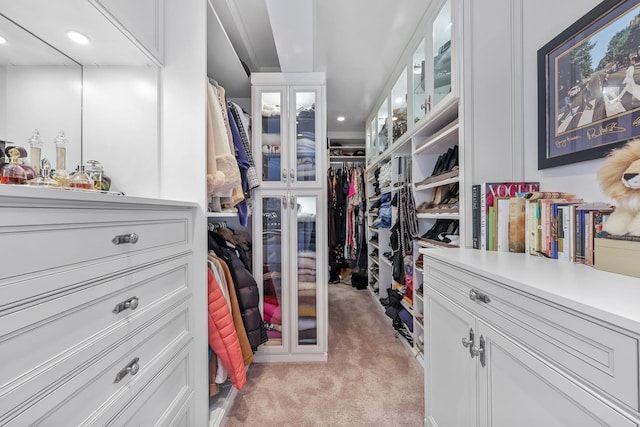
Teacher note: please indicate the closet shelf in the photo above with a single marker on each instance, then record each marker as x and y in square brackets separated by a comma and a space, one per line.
[438, 215]
[358, 159]
[421, 187]
[446, 136]
[428, 243]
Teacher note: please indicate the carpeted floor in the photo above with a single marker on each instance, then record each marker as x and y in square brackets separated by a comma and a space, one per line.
[370, 378]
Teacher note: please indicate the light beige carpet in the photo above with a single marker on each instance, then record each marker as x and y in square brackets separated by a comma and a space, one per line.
[370, 378]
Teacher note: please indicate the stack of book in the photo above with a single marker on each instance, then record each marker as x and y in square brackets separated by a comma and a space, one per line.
[516, 217]
[617, 254]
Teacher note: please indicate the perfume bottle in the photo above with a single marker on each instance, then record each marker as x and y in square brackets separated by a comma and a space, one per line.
[44, 178]
[80, 179]
[61, 150]
[13, 172]
[35, 142]
[62, 177]
[94, 169]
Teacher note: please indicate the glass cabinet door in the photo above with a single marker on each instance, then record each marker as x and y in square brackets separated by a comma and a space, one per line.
[418, 82]
[374, 139]
[306, 269]
[383, 131]
[305, 168]
[271, 128]
[442, 52]
[399, 106]
[273, 295]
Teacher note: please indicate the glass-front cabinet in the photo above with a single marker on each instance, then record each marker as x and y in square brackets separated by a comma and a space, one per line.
[290, 275]
[442, 55]
[383, 129]
[288, 135]
[418, 83]
[289, 214]
[373, 128]
[399, 106]
[270, 129]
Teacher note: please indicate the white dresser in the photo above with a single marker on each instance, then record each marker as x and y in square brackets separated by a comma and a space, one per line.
[96, 309]
[515, 340]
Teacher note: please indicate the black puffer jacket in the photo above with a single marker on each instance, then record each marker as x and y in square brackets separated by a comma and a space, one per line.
[246, 289]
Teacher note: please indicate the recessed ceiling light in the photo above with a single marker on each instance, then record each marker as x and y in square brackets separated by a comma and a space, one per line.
[340, 118]
[78, 37]
[3, 40]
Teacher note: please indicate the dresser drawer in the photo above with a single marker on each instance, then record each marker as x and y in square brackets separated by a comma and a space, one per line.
[81, 327]
[91, 388]
[167, 399]
[587, 349]
[46, 239]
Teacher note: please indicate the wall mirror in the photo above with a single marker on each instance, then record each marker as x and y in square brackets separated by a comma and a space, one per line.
[40, 88]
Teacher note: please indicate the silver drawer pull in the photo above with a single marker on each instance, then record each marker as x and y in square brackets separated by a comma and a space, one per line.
[125, 238]
[132, 368]
[131, 303]
[479, 296]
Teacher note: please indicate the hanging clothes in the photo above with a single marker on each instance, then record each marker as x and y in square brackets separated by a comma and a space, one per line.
[347, 238]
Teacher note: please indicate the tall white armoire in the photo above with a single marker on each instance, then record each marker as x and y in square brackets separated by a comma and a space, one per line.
[289, 140]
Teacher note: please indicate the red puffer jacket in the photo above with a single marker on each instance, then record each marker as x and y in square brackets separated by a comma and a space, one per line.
[223, 338]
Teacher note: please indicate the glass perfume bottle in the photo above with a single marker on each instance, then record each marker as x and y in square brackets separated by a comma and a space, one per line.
[28, 169]
[35, 142]
[80, 179]
[44, 178]
[13, 172]
[95, 170]
[61, 150]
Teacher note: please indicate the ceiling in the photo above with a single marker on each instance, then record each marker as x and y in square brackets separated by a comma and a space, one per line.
[356, 42]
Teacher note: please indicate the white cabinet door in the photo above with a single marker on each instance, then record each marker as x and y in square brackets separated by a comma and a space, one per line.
[450, 371]
[518, 389]
[288, 266]
[141, 20]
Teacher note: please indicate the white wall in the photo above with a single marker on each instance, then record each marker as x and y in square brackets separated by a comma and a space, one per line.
[500, 84]
[121, 126]
[544, 20]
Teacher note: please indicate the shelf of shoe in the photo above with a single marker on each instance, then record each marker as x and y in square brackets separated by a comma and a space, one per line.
[420, 187]
[444, 215]
[446, 135]
[428, 243]
[418, 269]
[386, 261]
[374, 244]
[407, 306]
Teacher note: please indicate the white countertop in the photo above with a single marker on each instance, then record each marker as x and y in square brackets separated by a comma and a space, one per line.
[14, 195]
[613, 298]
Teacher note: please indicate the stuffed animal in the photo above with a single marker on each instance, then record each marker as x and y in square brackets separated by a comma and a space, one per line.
[619, 178]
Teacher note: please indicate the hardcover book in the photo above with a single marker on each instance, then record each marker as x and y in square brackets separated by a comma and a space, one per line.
[488, 192]
[517, 225]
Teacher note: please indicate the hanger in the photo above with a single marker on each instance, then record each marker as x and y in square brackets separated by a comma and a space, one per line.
[215, 226]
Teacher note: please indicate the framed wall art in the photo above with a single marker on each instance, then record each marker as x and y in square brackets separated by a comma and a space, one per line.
[589, 86]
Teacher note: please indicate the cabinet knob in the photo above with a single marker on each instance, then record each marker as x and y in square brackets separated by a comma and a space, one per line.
[125, 238]
[466, 342]
[479, 351]
[131, 303]
[292, 175]
[479, 296]
[132, 368]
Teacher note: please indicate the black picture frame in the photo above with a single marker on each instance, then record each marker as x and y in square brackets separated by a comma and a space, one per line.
[587, 102]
